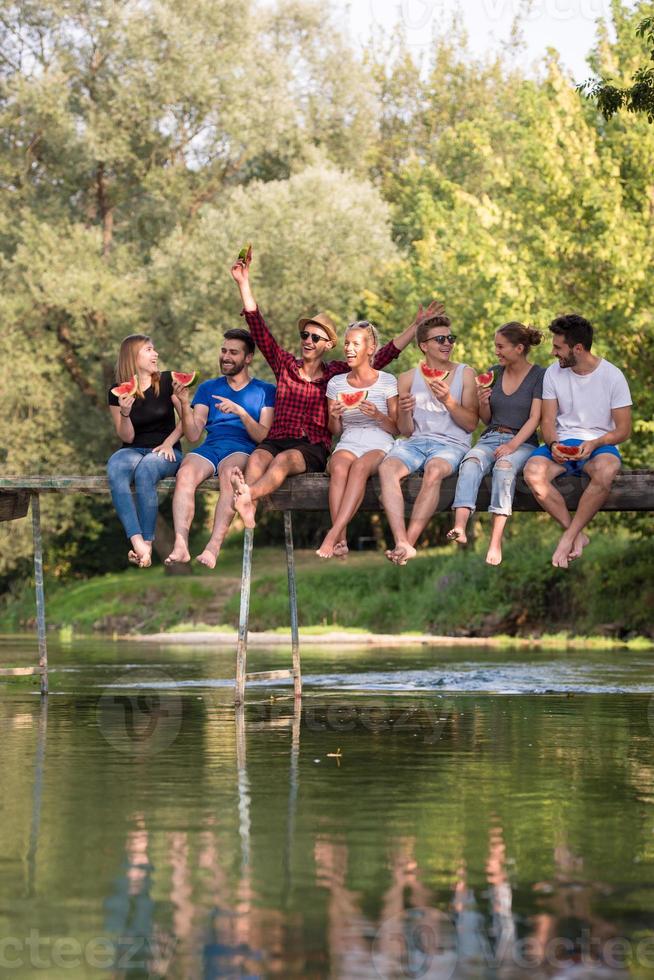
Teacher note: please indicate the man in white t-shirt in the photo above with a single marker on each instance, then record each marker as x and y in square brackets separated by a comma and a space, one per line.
[587, 404]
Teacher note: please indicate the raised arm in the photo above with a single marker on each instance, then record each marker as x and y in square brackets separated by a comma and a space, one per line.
[394, 347]
[258, 327]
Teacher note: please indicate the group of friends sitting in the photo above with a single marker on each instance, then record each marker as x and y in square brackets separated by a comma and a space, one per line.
[258, 434]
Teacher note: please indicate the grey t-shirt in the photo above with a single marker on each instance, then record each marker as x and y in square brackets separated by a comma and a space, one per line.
[513, 410]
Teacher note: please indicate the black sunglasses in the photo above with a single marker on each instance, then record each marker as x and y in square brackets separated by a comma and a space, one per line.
[440, 338]
[304, 334]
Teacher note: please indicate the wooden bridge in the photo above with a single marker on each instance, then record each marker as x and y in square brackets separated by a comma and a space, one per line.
[632, 490]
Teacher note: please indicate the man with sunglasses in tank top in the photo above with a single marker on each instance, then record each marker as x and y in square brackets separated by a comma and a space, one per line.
[438, 417]
[299, 440]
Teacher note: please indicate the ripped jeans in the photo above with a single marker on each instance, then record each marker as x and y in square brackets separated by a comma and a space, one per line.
[479, 461]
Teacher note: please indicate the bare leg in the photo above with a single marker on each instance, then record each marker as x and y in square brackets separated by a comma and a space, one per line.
[289, 463]
[339, 471]
[538, 474]
[193, 471]
[494, 553]
[224, 510]
[391, 472]
[355, 488]
[602, 471]
[424, 506]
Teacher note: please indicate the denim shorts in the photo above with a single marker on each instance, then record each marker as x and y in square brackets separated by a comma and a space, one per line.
[416, 451]
[216, 453]
[573, 466]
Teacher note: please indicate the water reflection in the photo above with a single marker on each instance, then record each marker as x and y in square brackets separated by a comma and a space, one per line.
[452, 837]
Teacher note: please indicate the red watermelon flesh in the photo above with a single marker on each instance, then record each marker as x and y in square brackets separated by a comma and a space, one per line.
[486, 380]
[433, 374]
[185, 379]
[126, 388]
[352, 399]
[570, 451]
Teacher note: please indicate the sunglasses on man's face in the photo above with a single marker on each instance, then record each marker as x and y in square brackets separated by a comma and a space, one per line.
[304, 334]
[441, 338]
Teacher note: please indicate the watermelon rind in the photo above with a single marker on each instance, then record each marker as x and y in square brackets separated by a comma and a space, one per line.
[433, 374]
[126, 388]
[185, 378]
[352, 399]
[485, 380]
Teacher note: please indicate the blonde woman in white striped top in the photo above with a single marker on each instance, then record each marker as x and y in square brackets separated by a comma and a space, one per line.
[366, 432]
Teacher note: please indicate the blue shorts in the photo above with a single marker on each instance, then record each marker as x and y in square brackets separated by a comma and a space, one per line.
[217, 452]
[573, 466]
[417, 450]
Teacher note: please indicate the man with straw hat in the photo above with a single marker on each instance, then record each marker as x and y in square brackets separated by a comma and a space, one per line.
[299, 440]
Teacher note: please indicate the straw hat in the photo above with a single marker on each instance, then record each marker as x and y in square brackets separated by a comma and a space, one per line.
[320, 320]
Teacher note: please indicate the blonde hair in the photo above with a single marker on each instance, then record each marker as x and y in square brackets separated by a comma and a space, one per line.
[126, 363]
[370, 329]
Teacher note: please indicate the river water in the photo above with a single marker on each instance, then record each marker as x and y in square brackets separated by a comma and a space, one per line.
[426, 813]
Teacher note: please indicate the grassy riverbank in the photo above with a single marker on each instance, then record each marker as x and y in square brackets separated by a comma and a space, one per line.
[608, 593]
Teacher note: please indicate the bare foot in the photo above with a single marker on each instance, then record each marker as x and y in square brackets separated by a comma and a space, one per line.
[403, 553]
[133, 558]
[140, 554]
[326, 549]
[236, 479]
[578, 546]
[180, 553]
[243, 503]
[457, 534]
[561, 556]
[341, 549]
[390, 554]
[494, 555]
[209, 556]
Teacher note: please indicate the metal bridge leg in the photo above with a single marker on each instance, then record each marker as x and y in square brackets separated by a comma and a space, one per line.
[242, 646]
[292, 600]
[40, 595]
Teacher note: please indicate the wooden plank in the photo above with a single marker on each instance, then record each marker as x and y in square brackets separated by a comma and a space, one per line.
[632, 490]
[18, 671]
[268, 675]
[13, 505]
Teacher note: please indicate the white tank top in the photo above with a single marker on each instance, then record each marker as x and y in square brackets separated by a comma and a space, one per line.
[431, 418]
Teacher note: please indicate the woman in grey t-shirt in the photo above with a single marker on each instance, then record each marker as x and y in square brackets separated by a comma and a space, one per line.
[511, 410]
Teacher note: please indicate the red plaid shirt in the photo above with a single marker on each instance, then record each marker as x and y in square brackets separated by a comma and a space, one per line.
[300, 405]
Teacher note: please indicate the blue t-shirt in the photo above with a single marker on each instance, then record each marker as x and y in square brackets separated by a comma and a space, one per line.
[224, 426]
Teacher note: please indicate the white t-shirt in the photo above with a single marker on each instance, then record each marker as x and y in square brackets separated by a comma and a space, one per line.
[585, 401]
[385, 387]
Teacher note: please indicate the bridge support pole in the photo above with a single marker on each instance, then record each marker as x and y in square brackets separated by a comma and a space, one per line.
[244, 617]
[40, 595]
[292, 602]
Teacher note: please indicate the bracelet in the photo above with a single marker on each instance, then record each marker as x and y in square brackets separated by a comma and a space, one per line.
[125, 416]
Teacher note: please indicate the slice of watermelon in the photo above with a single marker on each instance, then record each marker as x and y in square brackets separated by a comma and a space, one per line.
[352, 399]
[570, 451]
[432, 374]
[486, 380]
[185, 380]
[245, 255]
[126, 388]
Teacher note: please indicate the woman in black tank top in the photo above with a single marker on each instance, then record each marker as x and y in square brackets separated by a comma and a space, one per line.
[148, 422]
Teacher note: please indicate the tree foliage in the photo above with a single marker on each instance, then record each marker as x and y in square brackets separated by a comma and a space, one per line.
[142, 144]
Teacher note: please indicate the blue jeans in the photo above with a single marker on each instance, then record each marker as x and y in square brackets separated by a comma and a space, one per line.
[143, 468]
[479, 461]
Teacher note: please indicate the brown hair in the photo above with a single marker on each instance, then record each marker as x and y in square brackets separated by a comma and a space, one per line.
[425, 326]
[126, 363]
[517, 333]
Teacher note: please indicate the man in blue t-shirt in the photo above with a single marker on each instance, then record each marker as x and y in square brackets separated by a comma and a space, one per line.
[237, 411]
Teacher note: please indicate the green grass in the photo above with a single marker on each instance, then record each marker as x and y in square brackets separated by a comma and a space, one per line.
[604, 599]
